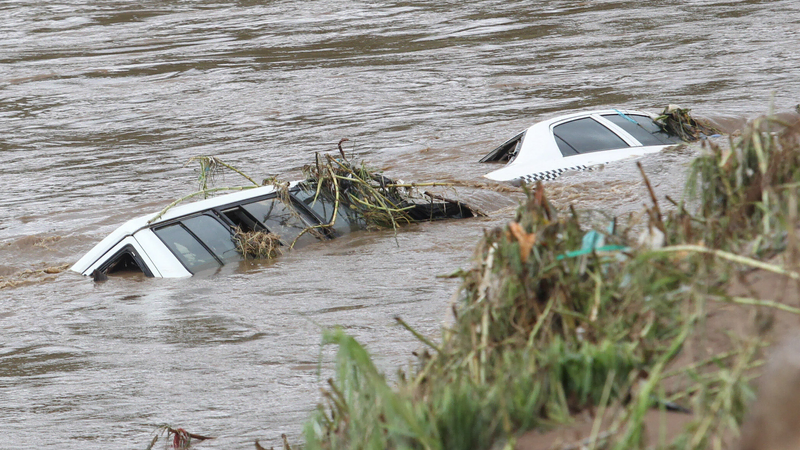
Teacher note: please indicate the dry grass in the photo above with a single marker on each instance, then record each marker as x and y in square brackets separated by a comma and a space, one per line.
[257, 244]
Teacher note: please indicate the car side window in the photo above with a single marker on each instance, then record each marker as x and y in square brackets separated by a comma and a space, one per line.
[642, 128]
[346, 219]
[284, 221]
[216, 236]
[187, 248]
[585, 135]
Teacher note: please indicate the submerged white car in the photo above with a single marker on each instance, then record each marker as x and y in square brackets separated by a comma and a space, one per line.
[577, 142]
[198, 237]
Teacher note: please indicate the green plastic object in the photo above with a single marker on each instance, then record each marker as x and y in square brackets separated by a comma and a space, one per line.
[592, 242]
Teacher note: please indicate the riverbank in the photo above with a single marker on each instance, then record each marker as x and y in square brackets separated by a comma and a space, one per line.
[639, 331]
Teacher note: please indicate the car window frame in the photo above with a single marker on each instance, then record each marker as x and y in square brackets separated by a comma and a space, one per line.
[632, 117]
[505, 152]
[611, 126]
[134, 253]
[178, 220]
[343, 213]
[306, 215]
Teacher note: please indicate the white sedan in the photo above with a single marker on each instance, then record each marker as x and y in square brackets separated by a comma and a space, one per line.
[198, 237]
[577, 142]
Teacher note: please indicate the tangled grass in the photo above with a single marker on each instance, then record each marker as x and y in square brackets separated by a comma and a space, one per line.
[677, 121]
[378, 200]
[257, 244]
[750, 187]
[363, 195]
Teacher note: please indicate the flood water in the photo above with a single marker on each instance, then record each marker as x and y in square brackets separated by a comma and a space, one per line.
[103, 103]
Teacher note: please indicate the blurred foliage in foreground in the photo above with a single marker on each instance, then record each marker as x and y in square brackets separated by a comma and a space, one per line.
[556, 319]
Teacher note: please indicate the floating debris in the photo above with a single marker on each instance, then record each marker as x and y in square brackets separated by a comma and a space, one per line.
[380, 201]
[181, 439]
[211, 166]
[45, 242]
[27, 276]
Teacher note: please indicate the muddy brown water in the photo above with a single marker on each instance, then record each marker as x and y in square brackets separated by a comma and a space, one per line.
[102, 103]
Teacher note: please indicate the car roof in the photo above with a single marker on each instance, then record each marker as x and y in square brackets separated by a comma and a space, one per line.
[539, 144]
[132, 226]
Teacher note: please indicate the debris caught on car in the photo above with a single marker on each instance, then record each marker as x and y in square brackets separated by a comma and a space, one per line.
[337, 197]
[677, 122]
[257, 244]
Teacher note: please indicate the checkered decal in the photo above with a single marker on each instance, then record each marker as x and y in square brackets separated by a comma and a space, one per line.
[549, 175]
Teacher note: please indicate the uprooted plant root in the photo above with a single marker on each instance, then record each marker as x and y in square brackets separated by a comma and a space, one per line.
[181, 439]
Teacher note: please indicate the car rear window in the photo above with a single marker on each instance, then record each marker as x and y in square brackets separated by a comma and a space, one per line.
[643, 128]
[585, 135]
[507, 151]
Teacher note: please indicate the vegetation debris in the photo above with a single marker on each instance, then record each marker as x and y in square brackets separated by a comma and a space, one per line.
[379, 201]
[362, 195]
[257, 244]
[558, 320]
[677, 121]
[181, 439]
